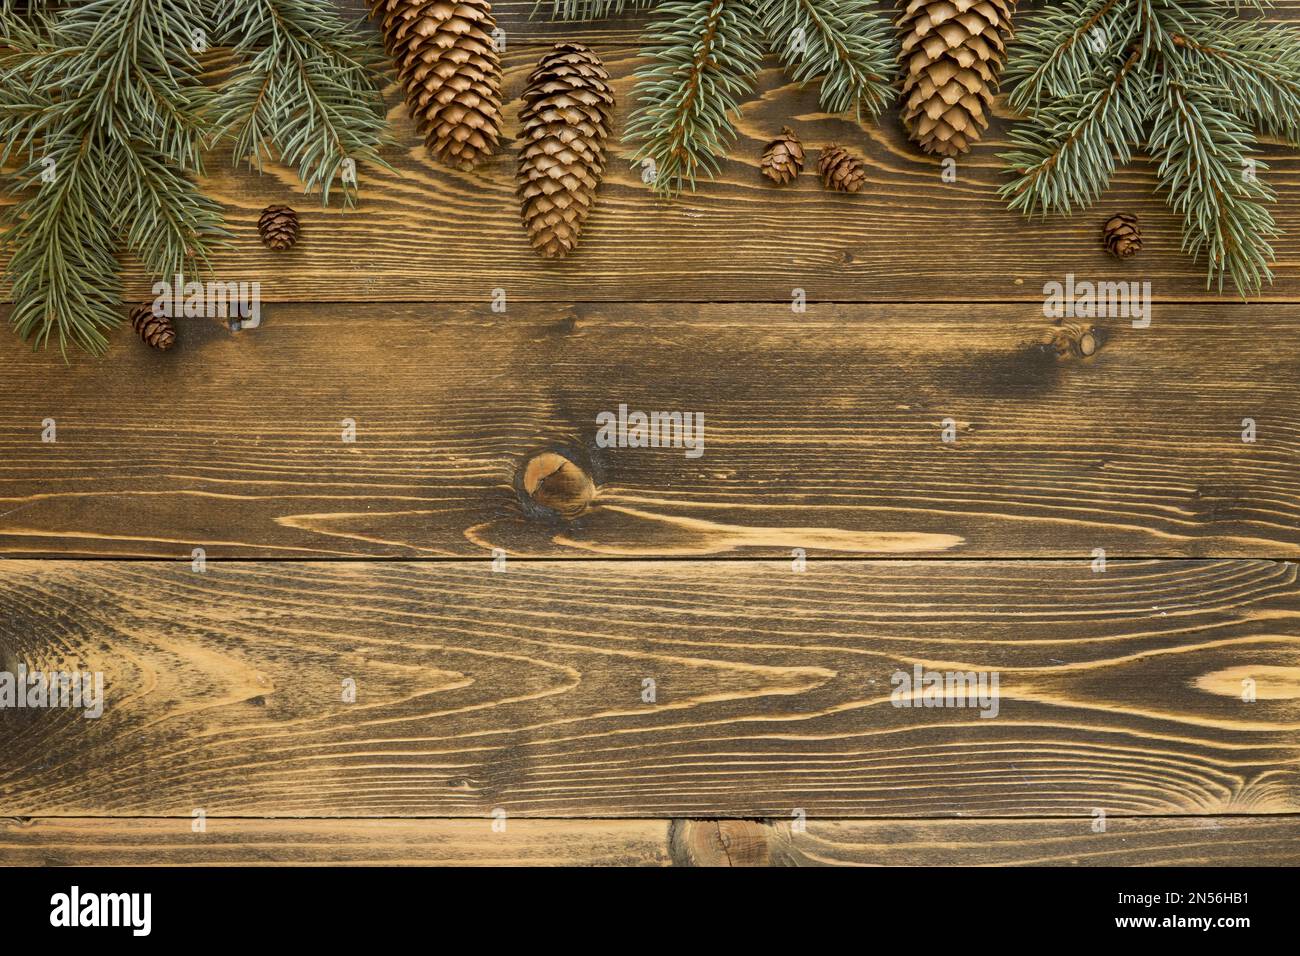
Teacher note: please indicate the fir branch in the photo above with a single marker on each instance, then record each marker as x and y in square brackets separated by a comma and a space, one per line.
[108, 111]
[1190, 81]
[304, 87]
[846, 42]
[591, 9]
[1068, 155]
[1060, 46]
[706, 54]
[1202, 149]
[1259, 67]
[63, 272]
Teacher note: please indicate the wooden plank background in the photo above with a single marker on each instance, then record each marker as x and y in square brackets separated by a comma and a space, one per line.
[822, 431]
[1126, 841]
[425, 233]
[521, 691]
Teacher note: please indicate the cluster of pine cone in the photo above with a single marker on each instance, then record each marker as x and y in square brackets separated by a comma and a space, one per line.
[839, 169]
[450, 69]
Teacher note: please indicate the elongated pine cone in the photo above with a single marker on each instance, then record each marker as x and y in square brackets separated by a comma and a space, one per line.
[450, 70]
[156, 330]
[952, 55]
[563, 127]
[783, 157]
[278, 227]
[1122, 236]
[841, 170]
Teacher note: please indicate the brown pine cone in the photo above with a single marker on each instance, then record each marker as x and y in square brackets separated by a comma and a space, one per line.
[952, 54]
[278, 227]
[783, 157]
[1121, 236]
[841, 170]
[156, 330]
[450, 70]
[564, 124]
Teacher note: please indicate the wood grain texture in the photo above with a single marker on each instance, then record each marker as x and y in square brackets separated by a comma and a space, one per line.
[1127, 841]
[374, 842]
[522, 690]
[822, 431]
[426, 233]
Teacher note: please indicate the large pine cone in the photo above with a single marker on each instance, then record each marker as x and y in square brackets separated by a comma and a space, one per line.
[783, 157]
[841, 170]
[1122, 236]
[952, 54]
[450, 70]
[278, 227]
[156, 330]
[564, 125]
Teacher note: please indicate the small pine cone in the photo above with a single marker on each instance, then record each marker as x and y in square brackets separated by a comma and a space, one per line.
[278, 227]
[564, 124]
[841, 170]
[1122, 236]
[783, 157]
[156, 330]
[450, 70]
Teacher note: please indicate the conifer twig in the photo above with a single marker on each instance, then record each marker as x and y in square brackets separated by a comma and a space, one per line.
[1188, 81]
[304, 87]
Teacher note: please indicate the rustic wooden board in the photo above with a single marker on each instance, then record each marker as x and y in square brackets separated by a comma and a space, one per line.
[426, 233]
[522, 690]
[908, 236]
[822, 431]
[1126, 841]
[374, 842]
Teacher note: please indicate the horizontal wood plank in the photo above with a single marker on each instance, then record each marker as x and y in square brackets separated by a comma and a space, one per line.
[370, 842]
[1125, 841]
[526, 691]
[426, 233]
[823, 431]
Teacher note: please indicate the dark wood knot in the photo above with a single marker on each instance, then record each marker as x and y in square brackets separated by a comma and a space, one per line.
[557, 484]
[719, 843]
[1070, 340]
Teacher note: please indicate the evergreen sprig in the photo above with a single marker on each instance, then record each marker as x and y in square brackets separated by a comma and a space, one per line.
[107, 122]
[704, 56]
[104, 117]
[305, 87]
[593, 9]
[688, 97]
[1188, 81]
[853, 53]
